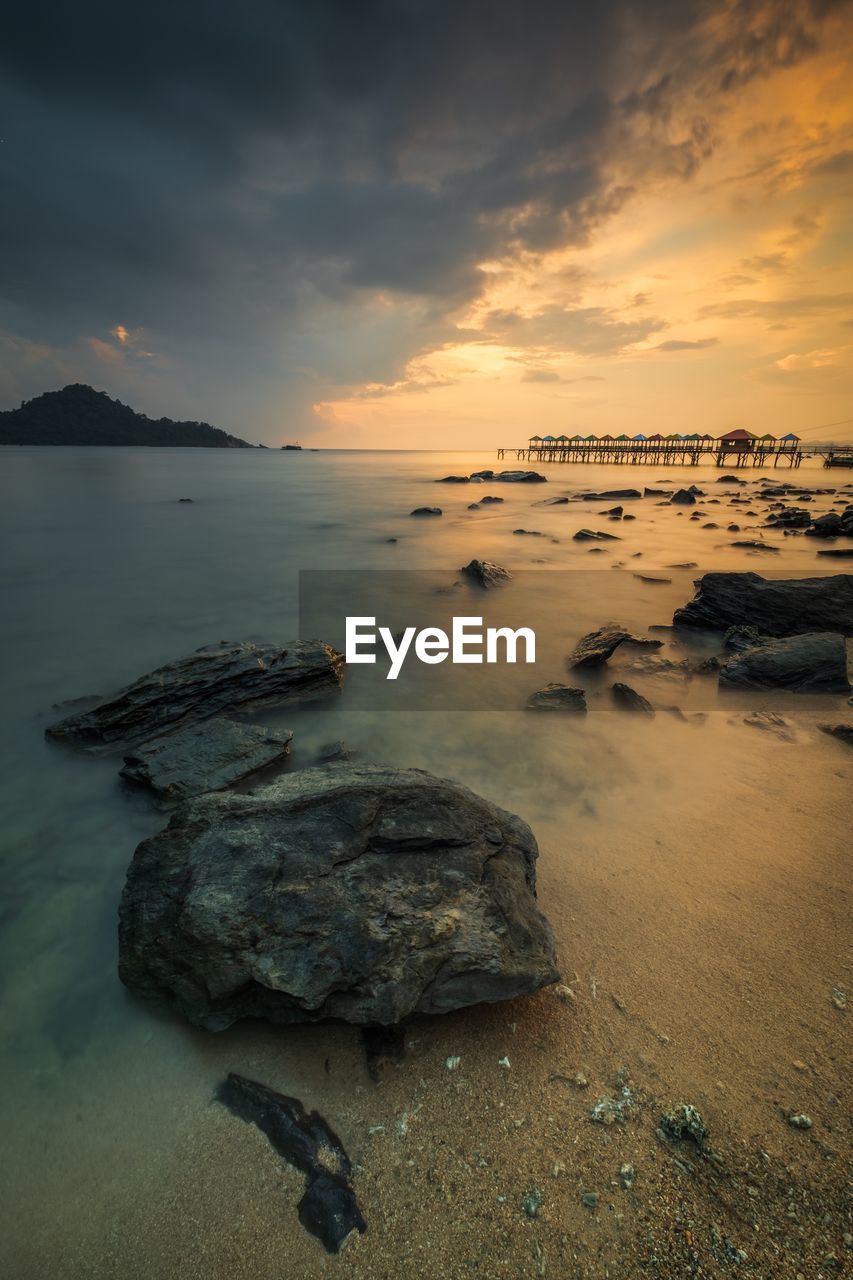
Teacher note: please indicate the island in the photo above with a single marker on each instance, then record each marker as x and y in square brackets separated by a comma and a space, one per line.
[80, 415]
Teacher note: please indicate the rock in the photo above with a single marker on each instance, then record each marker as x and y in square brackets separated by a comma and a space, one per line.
[813, 663]
[589, 1199]
[473, 506]
[485, 573]
[627, 1176]
[490, 499]
[484, 475]
[739, 638]
[532, 1202]
[328, 1209]
[684, 1122]
[655, 493]
[608, 1111]
[185, 499]
[770, 722]
[777, 607]
[612, 511]
[551, 502]
[791, 518]
[453, 480]
[596, 647]
[800, 1121]
[752, 545]
[360, 892]
[227, 677]
[590, 535]
[204, 757]
[518, 477]
[530, 533]
[733, 528]
[614, 494]
[684, 497]
[557, 697]
[730, 480]
[426, 511]
[828, 526]
[844, 554]
[645, 577]
[843, 732]
[627, 699]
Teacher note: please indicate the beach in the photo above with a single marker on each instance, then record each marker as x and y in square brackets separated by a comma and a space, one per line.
[695, 872]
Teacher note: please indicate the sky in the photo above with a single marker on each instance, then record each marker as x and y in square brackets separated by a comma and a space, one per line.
[433, 223]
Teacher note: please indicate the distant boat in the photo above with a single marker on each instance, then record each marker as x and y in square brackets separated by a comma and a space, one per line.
[291, 446]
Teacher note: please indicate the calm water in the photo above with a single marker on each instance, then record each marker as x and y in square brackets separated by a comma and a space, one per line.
[106, 575]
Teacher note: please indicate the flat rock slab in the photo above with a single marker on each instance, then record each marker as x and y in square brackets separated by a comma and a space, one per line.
[777, 607]
[813, 663]
[596, 647]
[204, 757]
[225, 677]
[360, 892]
[558, 697]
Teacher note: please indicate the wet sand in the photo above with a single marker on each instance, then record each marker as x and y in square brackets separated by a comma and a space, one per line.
[696, 878]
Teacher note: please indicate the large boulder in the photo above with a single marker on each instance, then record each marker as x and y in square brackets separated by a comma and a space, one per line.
[485, 573]
[777, 607]
[813, 663]
[218, 678]
[360, 892]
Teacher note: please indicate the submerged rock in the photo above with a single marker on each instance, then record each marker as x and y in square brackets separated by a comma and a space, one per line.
[595, 648]
[241, 676]
[204, 757]
[777, 607]
[627, 699]
[426, 511]
[359, 892]
[683, 497]
[486, 573]
[328, 1209]
[770, 722]
[557, 697]
[594, 535]
[813, 663]
[519, 477]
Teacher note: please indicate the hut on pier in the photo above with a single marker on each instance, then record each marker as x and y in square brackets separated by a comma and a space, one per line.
[737, 441]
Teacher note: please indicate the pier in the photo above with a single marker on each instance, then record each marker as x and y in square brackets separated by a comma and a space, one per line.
[739, 448]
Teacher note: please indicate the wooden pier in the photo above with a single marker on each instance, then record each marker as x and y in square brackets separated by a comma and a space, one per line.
[662, 453]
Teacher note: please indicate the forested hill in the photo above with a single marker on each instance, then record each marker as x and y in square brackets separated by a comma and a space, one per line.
[79, 415]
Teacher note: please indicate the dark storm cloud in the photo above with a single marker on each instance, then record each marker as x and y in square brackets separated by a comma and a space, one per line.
[248, 175]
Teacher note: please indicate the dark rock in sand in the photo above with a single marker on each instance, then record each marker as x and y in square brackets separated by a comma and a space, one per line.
[557, 697]
[828, 526]
[730, 480]
[328, 1209]
[226, 677]
[530, 533]
[655, 493]
[592, 535]
[204, 757]
[612, 511]
[454, 480]
[627, 699]
[644, 577]
[790, 518]
[482, 475]
[486, 573]
[843, 732]
[684, 497]
[812, 663]
[426, 511]
[733, 528]
[488, 498]
[359, 892]
[839, 555]
[777, 607]
[740, 638]
[596, 647]
[473, 506]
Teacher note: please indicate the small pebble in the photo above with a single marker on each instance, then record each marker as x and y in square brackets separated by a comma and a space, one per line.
[504, 1062]
[589, 1200]
[452, 1063]
[626, 1177]
[800, 1121]
[531, 1202]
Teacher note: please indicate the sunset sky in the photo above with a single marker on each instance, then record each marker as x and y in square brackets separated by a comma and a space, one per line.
[433, 223]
